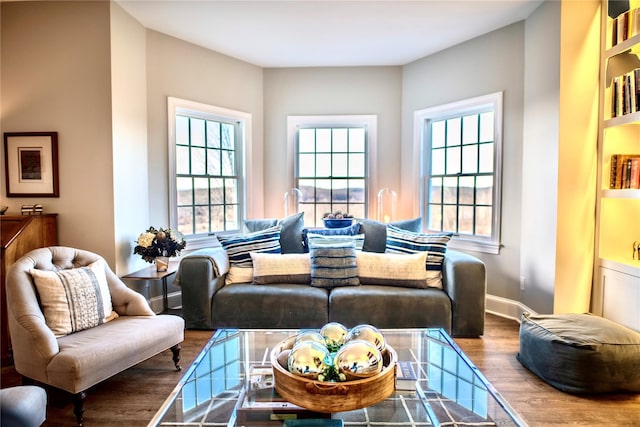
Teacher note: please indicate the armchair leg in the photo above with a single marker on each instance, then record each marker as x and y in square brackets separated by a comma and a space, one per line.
[176, 356]
[78, 406]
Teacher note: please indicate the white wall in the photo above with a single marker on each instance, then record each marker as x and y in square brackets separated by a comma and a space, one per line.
[490, 63]
[321, 91]
[56, 76]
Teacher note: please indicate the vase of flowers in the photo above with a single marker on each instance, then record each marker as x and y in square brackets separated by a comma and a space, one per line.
[157, 245]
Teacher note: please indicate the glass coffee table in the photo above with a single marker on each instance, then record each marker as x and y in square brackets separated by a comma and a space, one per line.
[448, 390]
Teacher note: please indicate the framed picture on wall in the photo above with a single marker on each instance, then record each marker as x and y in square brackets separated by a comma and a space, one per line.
[31, 164]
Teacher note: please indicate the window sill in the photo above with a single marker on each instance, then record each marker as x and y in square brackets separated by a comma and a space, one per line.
[201, 242]
[474, 245]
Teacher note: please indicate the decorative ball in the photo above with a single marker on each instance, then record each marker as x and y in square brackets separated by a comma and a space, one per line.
[309, 336]
[367, 333]
[358, 359]
[334, 334]
[283, 358]
[309, 359]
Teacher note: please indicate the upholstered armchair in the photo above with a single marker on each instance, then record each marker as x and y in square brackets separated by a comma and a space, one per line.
[73, 356]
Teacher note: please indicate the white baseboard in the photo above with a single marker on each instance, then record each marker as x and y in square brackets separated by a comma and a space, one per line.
[174, 300]
[507, 308]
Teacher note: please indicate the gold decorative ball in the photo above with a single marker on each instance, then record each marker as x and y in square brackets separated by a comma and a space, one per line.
[334, 334]
[358, 359]
[309, 336]
[367, 333]
[309, 359]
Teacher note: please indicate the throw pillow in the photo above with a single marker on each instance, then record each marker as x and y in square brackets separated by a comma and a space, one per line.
[284, 268]
[333, 264]
[375, 232]
[392, 269]
[351, 230]
[357, 239]
[402, 241]
[239, 248]
[290, 235]
[74, 300]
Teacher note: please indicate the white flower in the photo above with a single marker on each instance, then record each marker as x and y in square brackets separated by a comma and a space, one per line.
[146, 239]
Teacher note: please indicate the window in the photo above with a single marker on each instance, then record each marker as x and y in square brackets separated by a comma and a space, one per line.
[331, 164]
[206, 164]
[461, 147]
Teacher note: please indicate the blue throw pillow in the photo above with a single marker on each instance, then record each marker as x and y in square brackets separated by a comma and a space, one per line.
[333, 264]
[351, 230]
[239, 247]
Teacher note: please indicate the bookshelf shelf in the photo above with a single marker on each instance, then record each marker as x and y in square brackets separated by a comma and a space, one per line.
[616, 291]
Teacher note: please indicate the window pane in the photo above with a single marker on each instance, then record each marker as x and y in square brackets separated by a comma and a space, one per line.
[213, 162]
[231, 191]
[184, 188]
[484, 190]
[321, 209]
[185, 220]
[182, 160]
[202, 219]
[435, 190]
[357, 140]
[340, 140]
[437, 162]
[339, 191]
[486, 158]
[306, 166]
[486, 126]
[483, 220]
[470, 158]
[306, 140]
[454, 131]
[323, 140]
[356, 191]
[465, 220]
[450, 190]
[453, 160]
[437, 134]
[307, 188]
[339, 165]
[466, 190]
[182, 130]
[357, 210]
[470, 129]
[201, 191]
[228, 163]
[227, 136]
[216, 192]
[323, 190]
[197, 161]
[213, 134]
[356, 164]
[197, 132]
[323, 165]
[435, 217]
[232, 217]
[217, 217]
[450, 218]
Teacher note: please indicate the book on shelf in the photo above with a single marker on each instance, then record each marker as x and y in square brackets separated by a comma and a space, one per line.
[625, 26]
[626, 93]
[624, 171]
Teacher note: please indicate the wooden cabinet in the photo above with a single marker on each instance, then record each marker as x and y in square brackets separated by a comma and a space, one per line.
[617, 267]
[19, 235]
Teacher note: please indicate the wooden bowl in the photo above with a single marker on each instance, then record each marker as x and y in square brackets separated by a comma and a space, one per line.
[320, 396]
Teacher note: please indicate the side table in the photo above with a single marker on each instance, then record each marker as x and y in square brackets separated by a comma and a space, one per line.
[150, 273]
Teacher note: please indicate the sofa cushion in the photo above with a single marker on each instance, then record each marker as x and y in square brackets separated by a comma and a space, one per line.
[392, 269]
[75, 299]
[435, 245]
[333, 264]
[281, 268]
[375, 232]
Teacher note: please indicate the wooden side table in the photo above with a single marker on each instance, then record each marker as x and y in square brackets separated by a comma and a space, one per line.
[150, 273]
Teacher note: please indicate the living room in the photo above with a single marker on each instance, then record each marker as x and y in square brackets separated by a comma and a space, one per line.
[94, 74]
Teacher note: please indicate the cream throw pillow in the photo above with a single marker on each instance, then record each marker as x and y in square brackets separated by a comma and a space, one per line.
[394, 270]
[76, 299]
[281, 268]
[238, 275]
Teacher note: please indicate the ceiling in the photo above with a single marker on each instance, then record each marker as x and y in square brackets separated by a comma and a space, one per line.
[317, 33]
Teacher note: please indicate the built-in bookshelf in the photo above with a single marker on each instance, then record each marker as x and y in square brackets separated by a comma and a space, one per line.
[617, 266]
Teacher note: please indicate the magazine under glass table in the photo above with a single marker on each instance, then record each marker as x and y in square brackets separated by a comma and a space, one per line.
[449, 389]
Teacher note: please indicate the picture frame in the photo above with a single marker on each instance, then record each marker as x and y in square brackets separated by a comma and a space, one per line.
[31, 164]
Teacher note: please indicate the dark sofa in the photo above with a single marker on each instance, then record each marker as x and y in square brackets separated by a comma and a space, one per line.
[207, 303]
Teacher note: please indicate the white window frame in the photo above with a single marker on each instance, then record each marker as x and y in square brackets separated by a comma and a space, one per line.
[370, 121]
[422, 145]
[209, 112]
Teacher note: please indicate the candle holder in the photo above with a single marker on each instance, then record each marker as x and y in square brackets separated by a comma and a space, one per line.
[387, 201]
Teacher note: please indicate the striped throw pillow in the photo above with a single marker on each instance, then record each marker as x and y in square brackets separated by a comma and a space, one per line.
[239, 247]
[357, 239]
[333, 264]
[408, 242]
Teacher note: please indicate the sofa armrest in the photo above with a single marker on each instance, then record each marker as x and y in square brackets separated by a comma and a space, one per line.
[200, 275]
[464, 279]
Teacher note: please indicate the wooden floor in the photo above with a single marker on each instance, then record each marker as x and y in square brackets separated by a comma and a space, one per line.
[131, 398]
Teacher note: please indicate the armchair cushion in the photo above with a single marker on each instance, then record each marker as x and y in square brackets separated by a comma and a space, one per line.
[76, 299]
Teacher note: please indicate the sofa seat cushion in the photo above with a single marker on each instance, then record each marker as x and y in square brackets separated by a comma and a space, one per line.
[279, 306]
[581, 353]
[390, 307]
[124, 342]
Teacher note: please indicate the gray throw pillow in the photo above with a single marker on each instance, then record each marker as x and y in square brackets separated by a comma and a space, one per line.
[260, 224]
[375, 232]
